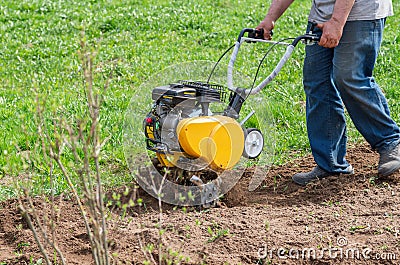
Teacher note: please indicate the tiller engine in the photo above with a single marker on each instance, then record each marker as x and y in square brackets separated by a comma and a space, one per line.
[182, 130]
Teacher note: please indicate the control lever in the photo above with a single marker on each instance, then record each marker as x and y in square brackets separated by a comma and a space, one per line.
[310, 37]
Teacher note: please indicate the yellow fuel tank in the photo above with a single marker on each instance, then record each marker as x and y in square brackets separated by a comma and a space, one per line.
[217, 139]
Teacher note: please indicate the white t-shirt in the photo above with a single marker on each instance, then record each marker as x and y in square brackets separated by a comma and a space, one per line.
[322, 10]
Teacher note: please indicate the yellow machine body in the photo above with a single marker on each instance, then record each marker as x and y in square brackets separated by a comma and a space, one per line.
[219, 140]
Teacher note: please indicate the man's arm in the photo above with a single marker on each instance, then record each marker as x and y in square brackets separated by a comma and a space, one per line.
[276, 9]
[332, 30]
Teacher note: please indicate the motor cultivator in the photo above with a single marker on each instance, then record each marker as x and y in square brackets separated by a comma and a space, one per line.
[185, 133]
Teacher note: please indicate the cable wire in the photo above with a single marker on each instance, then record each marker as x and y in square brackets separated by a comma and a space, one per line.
[219, 60]
[261, 62]
[259, 65]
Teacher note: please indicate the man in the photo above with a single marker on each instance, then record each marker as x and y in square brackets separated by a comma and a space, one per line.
[339, 70]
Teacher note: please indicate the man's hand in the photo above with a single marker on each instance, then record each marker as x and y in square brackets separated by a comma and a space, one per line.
[275, 11]
[331, 33]
[267, 25]
[332, 30]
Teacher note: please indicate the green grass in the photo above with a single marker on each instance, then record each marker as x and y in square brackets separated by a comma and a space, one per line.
[40, 40]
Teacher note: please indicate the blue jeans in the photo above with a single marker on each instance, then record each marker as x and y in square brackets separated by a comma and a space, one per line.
[342, 76]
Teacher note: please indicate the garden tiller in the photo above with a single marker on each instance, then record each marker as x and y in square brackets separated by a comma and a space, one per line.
[183, 131]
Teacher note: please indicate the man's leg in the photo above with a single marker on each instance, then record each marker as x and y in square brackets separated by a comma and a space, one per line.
[353, 64]
[326, 124]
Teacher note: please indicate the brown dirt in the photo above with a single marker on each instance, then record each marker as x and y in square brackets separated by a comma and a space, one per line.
[353, 214]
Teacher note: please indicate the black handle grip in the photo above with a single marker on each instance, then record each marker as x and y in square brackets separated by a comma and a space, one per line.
[313, 25]
[253, 33]
[256, 34]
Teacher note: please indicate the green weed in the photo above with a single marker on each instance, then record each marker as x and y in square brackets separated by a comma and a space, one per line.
[216, 232]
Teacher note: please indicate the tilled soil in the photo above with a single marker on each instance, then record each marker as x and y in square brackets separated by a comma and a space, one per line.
[346, 219]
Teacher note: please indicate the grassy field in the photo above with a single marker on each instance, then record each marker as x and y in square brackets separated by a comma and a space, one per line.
[40, 40]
